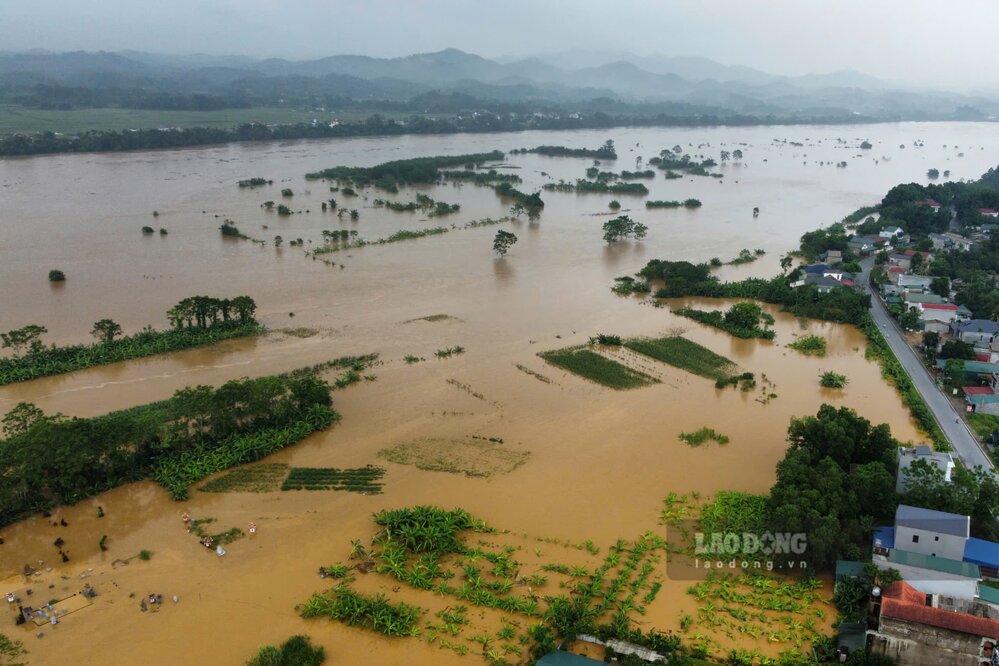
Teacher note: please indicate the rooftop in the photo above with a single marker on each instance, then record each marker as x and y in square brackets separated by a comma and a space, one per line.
[898, 602]
[978, 390]
[977, 326]
[918, 518]
[981, 552]
[939, 306]
[982, 399]
[972, 367]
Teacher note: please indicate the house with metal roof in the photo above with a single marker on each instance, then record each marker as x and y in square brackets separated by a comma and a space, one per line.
[975, 331]
[936, 542]
[943, 460]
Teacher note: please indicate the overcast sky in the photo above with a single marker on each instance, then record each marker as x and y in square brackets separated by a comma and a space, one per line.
[950, 44]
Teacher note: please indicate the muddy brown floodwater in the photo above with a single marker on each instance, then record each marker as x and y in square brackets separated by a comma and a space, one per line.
[600, 461]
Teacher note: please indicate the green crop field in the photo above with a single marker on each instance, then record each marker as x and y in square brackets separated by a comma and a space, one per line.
[597, 368]
[684, 354]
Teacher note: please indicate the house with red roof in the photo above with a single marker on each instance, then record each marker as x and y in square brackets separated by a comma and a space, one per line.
[917, 629]
[935, 205]
[991, 212]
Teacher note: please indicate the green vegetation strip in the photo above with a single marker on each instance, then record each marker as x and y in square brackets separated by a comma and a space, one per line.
[893, 371]
[370, 612]
[49, 460]
[359, 480]
[46, 361]
[703, 435]
[597, 368]
[686, 355]
[177, 472]
[250, 479]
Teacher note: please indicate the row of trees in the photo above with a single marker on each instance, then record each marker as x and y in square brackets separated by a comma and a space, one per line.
[196, 321]
[205, 312]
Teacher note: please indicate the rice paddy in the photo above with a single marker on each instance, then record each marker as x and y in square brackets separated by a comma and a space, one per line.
[686, 355]
[359, 480]
[469, 456]
[600, 369]
[262, 478]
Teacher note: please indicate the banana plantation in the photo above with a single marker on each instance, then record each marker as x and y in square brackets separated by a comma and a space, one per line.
[47, 460]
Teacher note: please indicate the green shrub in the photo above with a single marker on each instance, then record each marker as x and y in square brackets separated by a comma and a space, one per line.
[56, 275]
[296, 651]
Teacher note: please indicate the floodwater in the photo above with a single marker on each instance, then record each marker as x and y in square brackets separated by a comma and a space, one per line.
[600, 461]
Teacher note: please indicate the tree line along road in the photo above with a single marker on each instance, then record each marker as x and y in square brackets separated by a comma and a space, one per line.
[963, 441]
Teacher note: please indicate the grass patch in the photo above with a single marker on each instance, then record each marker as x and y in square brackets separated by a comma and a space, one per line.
[833, 380]
[358, 480]
[261, 478]
[300, 332]
[983, 424]
[686, 355]
[432, 318]
[221, 538]
[471, 457]
[597, 368]
[810, 345]
[701, 436]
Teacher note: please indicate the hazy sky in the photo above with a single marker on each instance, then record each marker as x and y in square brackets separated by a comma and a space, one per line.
[949, 44]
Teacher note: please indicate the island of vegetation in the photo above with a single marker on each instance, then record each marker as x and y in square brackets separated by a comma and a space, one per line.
[51, 459]
[604, 152]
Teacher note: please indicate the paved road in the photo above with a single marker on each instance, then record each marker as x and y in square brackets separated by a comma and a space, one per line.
[966, 446]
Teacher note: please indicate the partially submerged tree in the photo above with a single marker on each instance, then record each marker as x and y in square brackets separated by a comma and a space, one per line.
[622, 227]
[106, 330]
[503, 241]
[26, 337]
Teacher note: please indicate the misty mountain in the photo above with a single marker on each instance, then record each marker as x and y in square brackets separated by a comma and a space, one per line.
[558, 78]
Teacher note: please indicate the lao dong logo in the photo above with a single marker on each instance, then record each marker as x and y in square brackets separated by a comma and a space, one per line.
[733, 550]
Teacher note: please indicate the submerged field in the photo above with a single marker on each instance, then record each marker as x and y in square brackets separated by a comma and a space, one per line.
[600, 461]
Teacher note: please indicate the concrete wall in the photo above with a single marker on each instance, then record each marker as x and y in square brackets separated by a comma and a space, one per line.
[912, 644]
[930, 543]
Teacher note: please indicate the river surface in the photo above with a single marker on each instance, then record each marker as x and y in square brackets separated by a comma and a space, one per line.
[600, 461]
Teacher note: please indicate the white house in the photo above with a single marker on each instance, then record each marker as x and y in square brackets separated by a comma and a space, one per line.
[933, 533]
[906, 456]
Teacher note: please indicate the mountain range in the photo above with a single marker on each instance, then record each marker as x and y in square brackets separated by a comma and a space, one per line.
[561, 78]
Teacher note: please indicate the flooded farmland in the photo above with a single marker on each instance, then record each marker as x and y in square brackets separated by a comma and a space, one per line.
[596, 463]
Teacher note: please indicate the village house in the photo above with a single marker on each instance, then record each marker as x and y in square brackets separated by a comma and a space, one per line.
[937, 317]
[904, 259]
[940, 242]
[989, 212]
[906, 456]
[824, 277]
[977, 332]
[833, 257]
[901, 282]
[915, 629]
[935, 205]
[959, 242]
[865, 245]
[916, 301]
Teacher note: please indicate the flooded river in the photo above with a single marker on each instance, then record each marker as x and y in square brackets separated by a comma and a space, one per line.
[600, 461]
